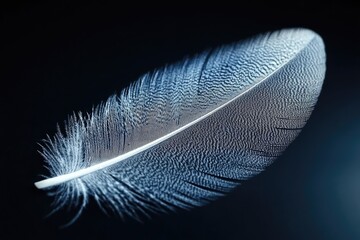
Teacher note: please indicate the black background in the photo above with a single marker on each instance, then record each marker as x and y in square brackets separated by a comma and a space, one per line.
[60, 58]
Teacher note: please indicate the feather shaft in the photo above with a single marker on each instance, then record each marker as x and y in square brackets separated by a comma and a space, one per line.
[189, 132]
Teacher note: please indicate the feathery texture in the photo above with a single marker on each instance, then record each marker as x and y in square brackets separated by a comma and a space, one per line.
[190, 132]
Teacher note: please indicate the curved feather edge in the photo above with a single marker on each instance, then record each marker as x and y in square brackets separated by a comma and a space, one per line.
[139, 152]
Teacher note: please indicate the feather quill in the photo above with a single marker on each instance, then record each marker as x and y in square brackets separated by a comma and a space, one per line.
[188, 133]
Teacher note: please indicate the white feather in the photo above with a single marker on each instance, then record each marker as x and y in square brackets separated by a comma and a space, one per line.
[189, 132]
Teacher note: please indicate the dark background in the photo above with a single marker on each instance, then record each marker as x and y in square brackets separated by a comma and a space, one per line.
[60, 58]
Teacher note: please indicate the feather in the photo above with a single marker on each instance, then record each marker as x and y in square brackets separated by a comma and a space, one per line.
[188, 133]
